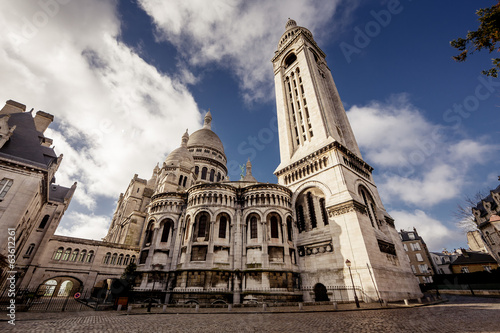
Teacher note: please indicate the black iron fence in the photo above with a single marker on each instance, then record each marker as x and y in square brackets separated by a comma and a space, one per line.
[45, 301]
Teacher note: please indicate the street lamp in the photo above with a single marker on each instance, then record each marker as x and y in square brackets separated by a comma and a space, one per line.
[348, 264]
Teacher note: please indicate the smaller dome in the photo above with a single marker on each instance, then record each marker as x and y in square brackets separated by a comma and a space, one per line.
[290, 24]
[181, 154]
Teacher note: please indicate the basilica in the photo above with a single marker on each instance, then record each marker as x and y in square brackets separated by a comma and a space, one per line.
[321, 233]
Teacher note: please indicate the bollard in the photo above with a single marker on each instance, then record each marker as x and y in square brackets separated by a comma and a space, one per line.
[407, 302]
[129, 309]
[230, 307]
[301, 306]
[164, 308]
[197, 308]
[419, 300]
[335, 306]
[119, 308]
[264, 307]
[428, 299]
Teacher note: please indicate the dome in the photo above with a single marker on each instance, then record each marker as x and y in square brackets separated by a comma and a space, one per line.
[181, 154]
[205, 137]
[290, 24]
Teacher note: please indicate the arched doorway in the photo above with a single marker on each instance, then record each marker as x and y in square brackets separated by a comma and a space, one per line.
[59, 287]
[320, 293]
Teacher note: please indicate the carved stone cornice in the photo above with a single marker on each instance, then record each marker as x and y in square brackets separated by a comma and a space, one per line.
[346, 207]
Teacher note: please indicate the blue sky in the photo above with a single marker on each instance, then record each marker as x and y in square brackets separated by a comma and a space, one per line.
[125, 79]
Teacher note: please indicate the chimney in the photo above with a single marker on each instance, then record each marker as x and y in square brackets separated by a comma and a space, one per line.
[42, 121]
[13, 107]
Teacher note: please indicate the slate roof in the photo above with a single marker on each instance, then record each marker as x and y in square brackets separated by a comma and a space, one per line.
[474, 258]
[24, 144]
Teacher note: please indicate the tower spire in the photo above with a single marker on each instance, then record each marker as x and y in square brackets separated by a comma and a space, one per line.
[208, 120]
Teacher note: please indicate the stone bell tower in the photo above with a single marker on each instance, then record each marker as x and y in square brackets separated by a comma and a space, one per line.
[339, 215]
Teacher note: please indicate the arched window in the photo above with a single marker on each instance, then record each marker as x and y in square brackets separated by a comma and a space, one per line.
[370, 205]
[312, 212]
[218, 176]
[107, 257]
[74, 255]
[222, 227]
[113, 259]
[90, 256]
[212, 175]
[180, 180]
[204, 173]
[274, 227]
[166, 231]
[289, 228]
[253, 227]
[324, 214]
[132, 260]
[65, 288]
[127, 259]
[30, 249]
[290, 59]
[83, 256]
[301, 223]
[184, 182]
[44, 221]
[66, 254]
[120, 259]
[202, 225]
[50, 286]
[149, 233]
[196, 170]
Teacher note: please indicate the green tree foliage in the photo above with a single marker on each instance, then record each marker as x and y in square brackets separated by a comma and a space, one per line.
[130, 274]
[487, 36]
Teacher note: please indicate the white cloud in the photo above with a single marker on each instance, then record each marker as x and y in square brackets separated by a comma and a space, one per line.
[420, 162]
[115, 114]
[431, 230]
[84, 226]
[240, 35]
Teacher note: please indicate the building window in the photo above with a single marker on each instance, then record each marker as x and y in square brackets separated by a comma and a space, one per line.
[66, 254]
[413, 269]
[5, 185]
[144, 256]
[312, 213]
[166, 231]
[120, 259]
[423, 268]
[127, 259]
[196, 170]
[464, 270]
[274, 227]
[113, 259]
[300, 218]
[289, 228]
[411, 235]
[370, 206]
[204, 173]
[212, 175]
[253, 227]
[74, 255]
[419, 257]
[487, 268]
[44, 222]
[107, 258]
[324, 214]
[415, 246]
[202, 225]
[405, 247]
[83, 256]
[30, 249]
[149, 233]
[132, 260]
[180, 180]
[222, 227]
[90, 256]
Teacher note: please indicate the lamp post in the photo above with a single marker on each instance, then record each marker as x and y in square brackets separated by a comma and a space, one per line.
[348, 264]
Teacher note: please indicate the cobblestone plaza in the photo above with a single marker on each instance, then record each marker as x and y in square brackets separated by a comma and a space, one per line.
[459, 314]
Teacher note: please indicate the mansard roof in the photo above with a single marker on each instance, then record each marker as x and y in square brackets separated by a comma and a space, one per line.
[25, 143]
[469, 257]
